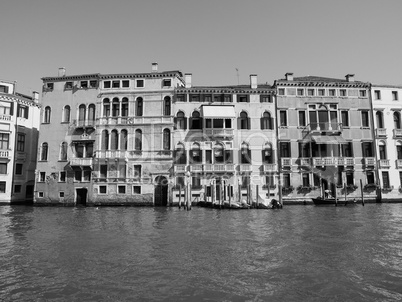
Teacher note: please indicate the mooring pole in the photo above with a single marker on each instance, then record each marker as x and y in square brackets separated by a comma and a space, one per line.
[258, 197]
[361, 190]
[189, 198]
[179, 196]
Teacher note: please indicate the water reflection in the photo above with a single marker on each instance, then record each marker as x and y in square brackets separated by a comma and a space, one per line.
[126, 254]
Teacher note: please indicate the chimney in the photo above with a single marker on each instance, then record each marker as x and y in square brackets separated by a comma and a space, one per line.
[155, 67]
[187, 80]
[253, 81]
[350, 77]
[62, 71]
[289, 76]
[35, 96]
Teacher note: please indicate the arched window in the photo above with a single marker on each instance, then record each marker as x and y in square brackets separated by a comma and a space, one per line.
[115, 107]
[379, 119]
[181, 121]
[106, 107]
[180, 155]
[46, 118]
[44, 151]
[398, 150]
[167, 106]
[124, 107]
[383, 150]
[114, 140]
[219, 152]
[66, 114]
[397, 120]
[105, 140]
[63, 151]
[267, 154]
[91, 114]
[195, 153]
[196, 122]
[81, 114]
[139, 107]
[244, 121]
[138, 140]
[123, 140]
[245, 154]
[266, 121]
[166, 139]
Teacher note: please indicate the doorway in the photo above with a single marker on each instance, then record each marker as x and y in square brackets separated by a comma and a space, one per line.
[161, 191]
[81, 197]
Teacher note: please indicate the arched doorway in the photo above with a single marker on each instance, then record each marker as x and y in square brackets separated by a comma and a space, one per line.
[161, 191]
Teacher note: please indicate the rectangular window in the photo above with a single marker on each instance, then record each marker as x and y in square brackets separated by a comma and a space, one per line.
[103, 171]
[306, 179]
[61, 194]
[283, 118]
[370, 177]
[50, 86]
[342, 92]
[180, 98]
[331, 92]
[321, 92]
[93, 83]
[3, 168]
[87, 175]
[300, 92]
[385, 179]
[69, 85]
[137, 172]
[281, 91]
[62, 176]
[137, 189]
[207, 98]
[84, 84]
[194, 98]
[400, 179]
[265, 99]
[139, 83]
[362, 93]
[284, 149]
[167, 83]
[102, 189]
[218, 98]
[106, 84]
[42, 176]
[77, 175]
[18, 169]
[41, 194]
[116, 84]
[345, 118]
[125, 83]
[121, 189]
[286, 180]
[17, 188]
[196, 182]
[228, 98]
[302, 118]
[242, 98]
[22, 111]
[394, 95]
[377, 94]
[365, 118]
[310, 92]
[2, 187]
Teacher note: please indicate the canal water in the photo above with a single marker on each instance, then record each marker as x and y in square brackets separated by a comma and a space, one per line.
[298, 253]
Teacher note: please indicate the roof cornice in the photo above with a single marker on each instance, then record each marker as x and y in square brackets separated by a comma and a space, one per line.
[322, 84]
[224, 90]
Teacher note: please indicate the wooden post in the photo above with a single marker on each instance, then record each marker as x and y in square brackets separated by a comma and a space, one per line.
[212, 194]
[205, 194]
[258, 197]
[189, 198]
[280, 190]
[361, 190]
[345, 188]
[239, 189]
[230, 199]
[179, 196]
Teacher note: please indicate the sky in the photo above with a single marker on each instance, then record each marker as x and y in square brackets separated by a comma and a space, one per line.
[220, 42]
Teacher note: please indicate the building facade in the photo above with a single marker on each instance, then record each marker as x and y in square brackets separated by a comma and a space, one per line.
[106, 139]
[19, 126]
[224, 142]
[387, 110]
[325, 138]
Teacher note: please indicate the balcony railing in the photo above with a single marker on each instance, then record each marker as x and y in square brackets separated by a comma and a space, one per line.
[179, 168]
[383, 163]
[269, 167]
[380, 132]
[323, 127]
[134, 154]
[286, 162]
[304, 161]
[4, 153]
[83, 137]
[196, 168]
[334, 161]
[219, 132]
[84, 123]
[369, 161]
[397, 133]
[5, 117]
[219, 168]
[124, 120]
[245, 168]
[81, 161]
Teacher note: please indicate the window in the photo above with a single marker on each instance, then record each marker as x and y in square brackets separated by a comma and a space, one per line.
[300, 91]
[41, 194]
[377, 94]
[302, 118]
[281, 91]
[137, 172]
[69, 85]
[167, 106]
[342, 92]
[106, 84]
[2, 187]
[46, 116]
[121, 189]
[139, 109]
[283, 118]
[42, 176]
[93, 83]
[124, 107]
[62, 176]
[4, 141]
[244, 121]
[61, 194]
[362, 93]
[180, 98]
[266, 121]
[331, 92]
[115, 107]
[18, 169]
[3, 89]
[63, 151]
[138, 140]
[385, 180]
[167, 83]
[103, 171]
[365, 118]
[77, 175]
[245, 154]
[166, 139]
[116, 84]
[102, 189]
[139, 83]
[3, 168]
[84, 84]
[345, 118]
[50, 86]
[382, 150]
[263, 98]
[136, 189]
[267, 156]
[196, 182]
[321, 92]
[397, 120]
[194, 98]
[195, 154]
[66, 114]
[106, 107]
[310, 92]
[181, 121]
[196, 121]
[242, 99]
[105, 140]
[306, 179]
[114, 140]
[123, 140]
[286, 180]
[370, 177]
[394, 95]
[20, 142]
[125, 83]
[284, 149]
[17, 188]
[379, 119]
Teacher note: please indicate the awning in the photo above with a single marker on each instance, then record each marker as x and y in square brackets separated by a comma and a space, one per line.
[218, 111]
[331, 139]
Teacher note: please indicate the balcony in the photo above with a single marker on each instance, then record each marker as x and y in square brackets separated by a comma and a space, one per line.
[269, 168]
[286, 162]
[398, 163]
[134, 120]
[83, 123]
[369, 161]
[245, 168]
[83, 137]
[219, 133]
[322, 127]
[219, 168]
[304, 161]
[334, 161]
[381, 132]
[383, 163]
[134, 154]
[81, 162]
[4, 154]
[196, 168]
[179, 168]
[5, 117]
[397, 133]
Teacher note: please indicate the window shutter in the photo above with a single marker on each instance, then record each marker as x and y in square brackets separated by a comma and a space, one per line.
[185, 123]
[12, 109]
[26, 113]
[175, 123]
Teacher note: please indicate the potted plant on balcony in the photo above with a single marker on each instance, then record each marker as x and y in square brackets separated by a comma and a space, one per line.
[287, 190]
[370, 187]
[387, 189]
[304, 189]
